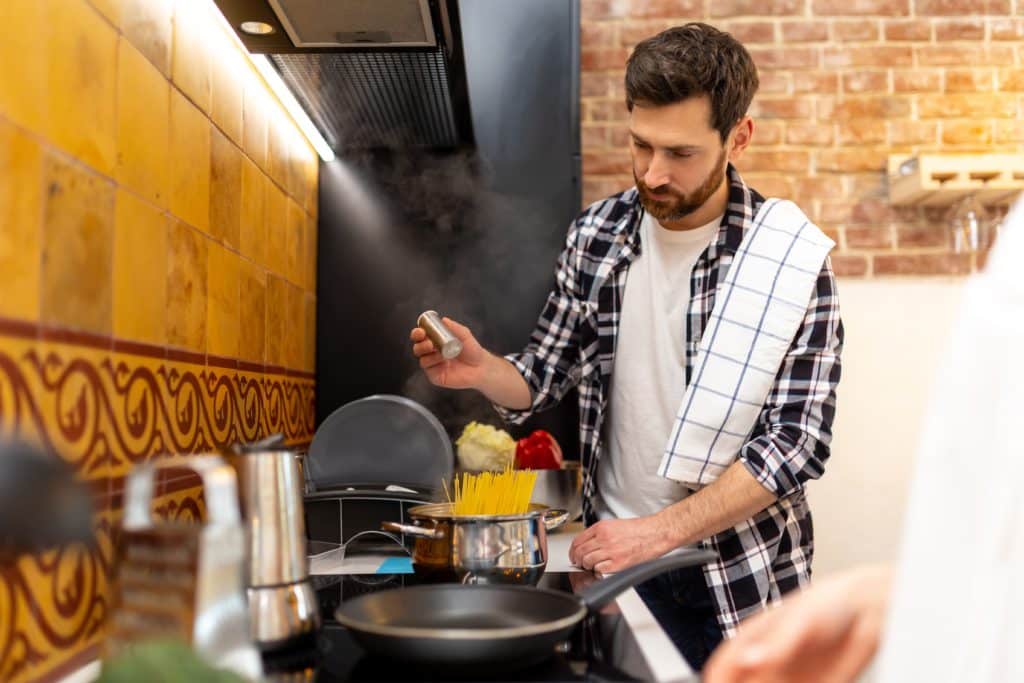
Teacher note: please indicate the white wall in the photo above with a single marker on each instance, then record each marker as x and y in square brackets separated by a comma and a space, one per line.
[896, 333]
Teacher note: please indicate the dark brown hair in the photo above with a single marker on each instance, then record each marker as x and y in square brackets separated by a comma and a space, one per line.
[689, 61]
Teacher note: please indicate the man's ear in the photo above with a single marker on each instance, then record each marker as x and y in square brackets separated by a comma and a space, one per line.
[740, 138]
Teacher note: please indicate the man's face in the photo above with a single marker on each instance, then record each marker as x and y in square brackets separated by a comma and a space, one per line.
[678, 158]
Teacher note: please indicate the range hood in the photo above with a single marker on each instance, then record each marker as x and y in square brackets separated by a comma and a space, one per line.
[369, 73]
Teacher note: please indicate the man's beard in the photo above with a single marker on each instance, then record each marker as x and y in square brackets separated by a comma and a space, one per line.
[681, 205]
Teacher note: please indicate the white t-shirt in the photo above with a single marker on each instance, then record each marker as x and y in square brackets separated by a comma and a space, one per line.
[649, 375]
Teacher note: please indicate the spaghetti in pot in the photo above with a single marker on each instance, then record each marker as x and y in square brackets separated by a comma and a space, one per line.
[492, 493]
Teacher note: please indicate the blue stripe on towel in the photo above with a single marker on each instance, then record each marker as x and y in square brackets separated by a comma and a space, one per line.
[395, 565]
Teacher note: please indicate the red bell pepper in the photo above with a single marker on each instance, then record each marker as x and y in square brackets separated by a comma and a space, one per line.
[538, 451]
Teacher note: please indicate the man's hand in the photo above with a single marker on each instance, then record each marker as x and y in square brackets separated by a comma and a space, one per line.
[827, 634]
[614, 544]
[466, 371]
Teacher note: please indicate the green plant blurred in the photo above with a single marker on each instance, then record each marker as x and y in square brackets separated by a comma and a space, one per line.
[162, 661]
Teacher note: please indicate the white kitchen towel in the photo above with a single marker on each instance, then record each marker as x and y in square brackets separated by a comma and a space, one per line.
[758, 310]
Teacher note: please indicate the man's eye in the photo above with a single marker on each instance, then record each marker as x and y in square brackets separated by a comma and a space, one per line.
[682, 155]
[641, 145]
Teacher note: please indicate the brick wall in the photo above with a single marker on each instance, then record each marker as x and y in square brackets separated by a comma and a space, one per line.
[844, 83]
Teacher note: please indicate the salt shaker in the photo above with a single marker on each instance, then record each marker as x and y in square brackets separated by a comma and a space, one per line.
[444, 340]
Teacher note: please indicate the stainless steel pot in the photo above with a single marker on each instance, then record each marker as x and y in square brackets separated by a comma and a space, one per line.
[562, 489]
[479, 549]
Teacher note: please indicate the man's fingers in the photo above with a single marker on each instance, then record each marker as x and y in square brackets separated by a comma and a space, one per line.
[458, 329]
[423, 348]
[417, 334]
[430, 360]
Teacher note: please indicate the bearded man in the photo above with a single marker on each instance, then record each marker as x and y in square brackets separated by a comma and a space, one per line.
[700, 324]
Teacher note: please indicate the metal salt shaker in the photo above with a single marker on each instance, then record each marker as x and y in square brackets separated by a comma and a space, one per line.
[444, 341]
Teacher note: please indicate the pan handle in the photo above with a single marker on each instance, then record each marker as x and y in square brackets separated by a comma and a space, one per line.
[600, 593]
[413, 530]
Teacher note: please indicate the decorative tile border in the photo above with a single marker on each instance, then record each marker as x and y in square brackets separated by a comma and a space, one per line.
[106, 405]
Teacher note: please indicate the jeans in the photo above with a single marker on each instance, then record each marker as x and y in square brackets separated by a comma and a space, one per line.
[682, 604]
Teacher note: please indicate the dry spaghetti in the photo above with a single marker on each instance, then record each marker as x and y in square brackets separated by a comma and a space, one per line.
[492, 493]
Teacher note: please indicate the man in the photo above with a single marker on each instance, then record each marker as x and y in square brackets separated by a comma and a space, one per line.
[626, 325]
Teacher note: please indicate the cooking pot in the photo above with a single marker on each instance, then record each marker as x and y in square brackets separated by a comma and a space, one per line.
[484, 549]
[471, 627]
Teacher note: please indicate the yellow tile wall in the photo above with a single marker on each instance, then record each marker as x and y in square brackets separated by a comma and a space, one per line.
[157, 273]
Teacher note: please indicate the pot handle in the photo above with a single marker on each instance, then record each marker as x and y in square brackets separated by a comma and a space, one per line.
[413, 530]
[600, 593]
[554, 518]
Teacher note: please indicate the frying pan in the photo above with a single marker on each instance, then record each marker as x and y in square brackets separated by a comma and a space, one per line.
[469, 626]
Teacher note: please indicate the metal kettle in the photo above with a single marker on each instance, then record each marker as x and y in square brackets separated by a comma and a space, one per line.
[282, 605]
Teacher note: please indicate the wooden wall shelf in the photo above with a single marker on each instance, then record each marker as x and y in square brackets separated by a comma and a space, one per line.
[942, 179]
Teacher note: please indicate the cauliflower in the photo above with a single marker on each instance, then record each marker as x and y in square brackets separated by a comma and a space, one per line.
[483, 447]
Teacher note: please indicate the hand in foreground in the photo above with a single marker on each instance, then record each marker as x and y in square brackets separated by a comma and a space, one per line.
[612, 545]
[827, 634]
[462, 372]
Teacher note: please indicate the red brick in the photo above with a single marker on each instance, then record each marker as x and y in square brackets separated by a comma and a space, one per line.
[966, 133]
[818, 82]
[858, 31]
[599, 188]
[754, 8]
[632, 32]
[599, 59]
[969, 80]
[922, 264]
[883, 8]
[749, 32]
[1011, 80]
[596, 84]
[770, 184]
[618, 136]
[789, 160]
[674, 9]
[597, 34]
[851, 160]
[594, 137]
[862, 132]
[871, 210]
[877, 56]
[863, 185]
[908, 132]
[774, 82]
[604, 110]
[833, 234]
[819, 187]
[907, 30]
[1007, 29]
[877, 106]
[833, 212]
[863, 237]
[958, 55]
[966, 106]
[606, 162]
[809, 134]
[908, 236]
[866, 81]
[785, 58]
[782, 107]
[1009, 132]
[849, 265]
[804, 31]
[960, 30]
[603, 9]
[924, 8]
[916, 81]
[768, 133]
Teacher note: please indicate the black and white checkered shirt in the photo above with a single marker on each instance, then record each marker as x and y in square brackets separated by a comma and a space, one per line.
[574, 345]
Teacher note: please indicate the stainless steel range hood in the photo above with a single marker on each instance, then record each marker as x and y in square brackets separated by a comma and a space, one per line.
[369, 73]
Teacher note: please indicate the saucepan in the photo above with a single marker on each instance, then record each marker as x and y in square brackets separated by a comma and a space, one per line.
[486, 625]
[484, 549]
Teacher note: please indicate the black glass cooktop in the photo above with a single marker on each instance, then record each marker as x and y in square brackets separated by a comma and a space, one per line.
[598, 650]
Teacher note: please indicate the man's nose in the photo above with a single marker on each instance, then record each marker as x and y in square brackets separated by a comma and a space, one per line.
[657, 171]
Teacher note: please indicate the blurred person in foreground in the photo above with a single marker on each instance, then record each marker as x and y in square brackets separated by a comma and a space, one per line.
[699, 322]
[953, 608]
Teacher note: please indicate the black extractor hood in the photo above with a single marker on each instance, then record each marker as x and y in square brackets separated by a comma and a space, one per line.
[369, 73]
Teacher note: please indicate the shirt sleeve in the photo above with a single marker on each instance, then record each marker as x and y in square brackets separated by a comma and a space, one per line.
[790, 442]
[550, 363]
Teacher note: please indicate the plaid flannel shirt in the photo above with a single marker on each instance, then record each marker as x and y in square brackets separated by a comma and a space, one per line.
[573, 344]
